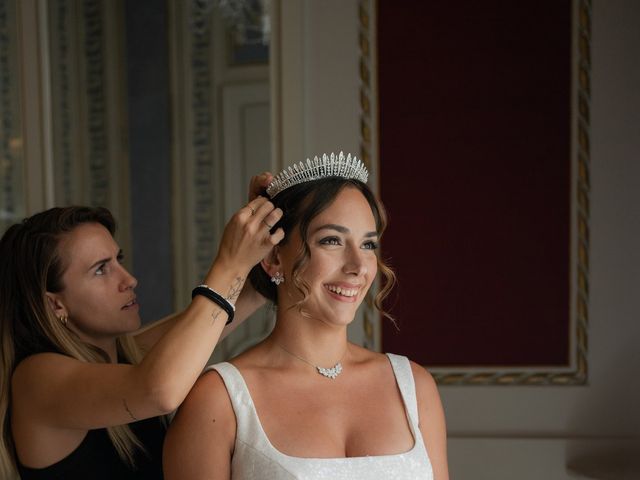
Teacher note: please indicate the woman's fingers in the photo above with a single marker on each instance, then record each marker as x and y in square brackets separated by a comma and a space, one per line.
[277, 236]
[263, 212]
[271, 217]
[247, 238]
[258, 184]
[254, 205]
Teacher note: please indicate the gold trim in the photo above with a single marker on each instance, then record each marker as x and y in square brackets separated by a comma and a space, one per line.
[371, 318]
[577, 373]
[370, 315]
[583, 161]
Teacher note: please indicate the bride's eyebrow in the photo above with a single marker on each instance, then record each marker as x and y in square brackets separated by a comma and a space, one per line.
[332, 226]
[341, 229]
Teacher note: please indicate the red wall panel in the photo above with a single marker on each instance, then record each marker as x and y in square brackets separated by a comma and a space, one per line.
[474, 102]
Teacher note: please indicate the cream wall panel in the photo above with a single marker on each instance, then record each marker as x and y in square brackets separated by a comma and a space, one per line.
[287, 75]
[485, 458]
[491, 459]
[331, 77]
[318, 77]
[246, 140]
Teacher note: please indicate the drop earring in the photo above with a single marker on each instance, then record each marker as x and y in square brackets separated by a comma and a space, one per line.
[277, 278]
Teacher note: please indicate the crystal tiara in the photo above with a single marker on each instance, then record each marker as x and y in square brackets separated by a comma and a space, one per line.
[327, 166]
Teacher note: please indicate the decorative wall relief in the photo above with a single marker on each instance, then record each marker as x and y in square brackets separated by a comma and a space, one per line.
[70, 66]
[12, 181]
[89, 106]
[202, 135]
[195, 219]
[221, 138]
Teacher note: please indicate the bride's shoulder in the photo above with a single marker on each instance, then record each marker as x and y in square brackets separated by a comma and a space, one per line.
[365, 356]
[426, 387]
[424, 381]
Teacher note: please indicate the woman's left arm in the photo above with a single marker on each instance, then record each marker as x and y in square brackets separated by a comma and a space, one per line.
[248, 302]
[432, 423]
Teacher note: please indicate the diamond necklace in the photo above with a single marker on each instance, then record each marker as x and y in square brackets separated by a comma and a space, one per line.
[331, 373]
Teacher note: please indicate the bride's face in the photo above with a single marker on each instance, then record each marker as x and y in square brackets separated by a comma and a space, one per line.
[342, 241]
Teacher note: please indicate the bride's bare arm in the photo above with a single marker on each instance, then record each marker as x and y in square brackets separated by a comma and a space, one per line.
[432, 423]
[201, 438]
[248, 302]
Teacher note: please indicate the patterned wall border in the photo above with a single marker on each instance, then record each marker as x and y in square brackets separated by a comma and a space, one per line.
[196, 197]
[583, 156]
[62, 72]
[62, 108]
[577, 373]
[12, 202]
[97, 136]
[90, 161]
[202, 121]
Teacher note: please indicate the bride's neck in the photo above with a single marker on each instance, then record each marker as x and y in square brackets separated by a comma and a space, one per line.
[311, 339]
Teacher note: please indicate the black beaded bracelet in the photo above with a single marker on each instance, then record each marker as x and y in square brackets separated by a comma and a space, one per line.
[216, 298]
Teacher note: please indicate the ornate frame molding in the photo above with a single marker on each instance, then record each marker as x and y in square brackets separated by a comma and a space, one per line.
[369, 146]
[577, 372]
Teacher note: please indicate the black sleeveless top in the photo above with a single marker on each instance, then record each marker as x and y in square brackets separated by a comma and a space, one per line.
[96, 457]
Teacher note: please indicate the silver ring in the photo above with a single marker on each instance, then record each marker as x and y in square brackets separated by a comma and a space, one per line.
[253, 211]
[270, 226]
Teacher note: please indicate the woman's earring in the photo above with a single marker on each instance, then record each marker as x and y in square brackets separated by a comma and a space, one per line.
[277, 278]
[63, 319]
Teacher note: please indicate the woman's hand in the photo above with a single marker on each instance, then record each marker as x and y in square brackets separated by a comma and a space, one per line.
[259, 184]
[247, 237]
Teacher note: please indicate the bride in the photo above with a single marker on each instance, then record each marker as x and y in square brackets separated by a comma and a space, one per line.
[305, 403]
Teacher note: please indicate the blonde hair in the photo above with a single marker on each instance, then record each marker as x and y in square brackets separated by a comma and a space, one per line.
[31, 267]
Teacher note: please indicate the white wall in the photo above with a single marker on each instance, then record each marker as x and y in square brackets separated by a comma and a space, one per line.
[524, 432]
[319, 77]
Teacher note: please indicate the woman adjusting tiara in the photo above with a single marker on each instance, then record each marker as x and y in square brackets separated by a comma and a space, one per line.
[83, 389]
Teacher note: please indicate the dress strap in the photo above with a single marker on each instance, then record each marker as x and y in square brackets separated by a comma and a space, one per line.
[247, 422]
[406, 385]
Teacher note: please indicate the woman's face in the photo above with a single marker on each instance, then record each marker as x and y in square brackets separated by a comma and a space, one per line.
[98, 294]
[342, 241]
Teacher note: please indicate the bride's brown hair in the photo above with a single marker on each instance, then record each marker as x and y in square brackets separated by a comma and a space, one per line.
[300, 205]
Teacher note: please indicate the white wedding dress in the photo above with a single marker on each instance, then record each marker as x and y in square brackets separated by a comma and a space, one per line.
[255, 458]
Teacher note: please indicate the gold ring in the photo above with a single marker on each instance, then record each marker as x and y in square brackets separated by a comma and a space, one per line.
[253, 211]
[270, 226]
